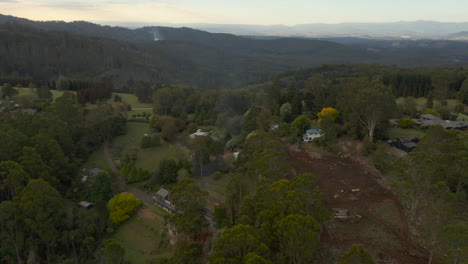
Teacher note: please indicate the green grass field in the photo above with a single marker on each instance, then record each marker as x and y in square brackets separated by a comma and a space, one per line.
[29, 91]
[143, 238]
[395, 132]
[149, 158]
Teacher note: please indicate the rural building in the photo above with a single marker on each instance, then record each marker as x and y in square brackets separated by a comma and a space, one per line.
[404, 144]
[199, 133]
[429, 120]
[85, 204]
[162, 200]
[312, 134]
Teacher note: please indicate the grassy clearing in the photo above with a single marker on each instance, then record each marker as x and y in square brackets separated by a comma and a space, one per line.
[396, 132]
[28, 91]
[143, 238]
[149, 158]
[96, 159]
[214, 185]
[132, 100]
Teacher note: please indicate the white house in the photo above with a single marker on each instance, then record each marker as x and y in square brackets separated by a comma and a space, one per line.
[312, 134]
[199, 133]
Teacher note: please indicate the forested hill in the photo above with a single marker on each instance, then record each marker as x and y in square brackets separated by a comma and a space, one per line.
[162, 55]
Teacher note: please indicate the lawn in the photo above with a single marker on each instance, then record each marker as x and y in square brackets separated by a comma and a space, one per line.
[96, 159]
[214, 185]
[396, 132]
[28, 91]
[143, 238]
[149, 158]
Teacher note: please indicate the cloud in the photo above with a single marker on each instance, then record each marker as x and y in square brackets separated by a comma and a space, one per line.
[68, 5]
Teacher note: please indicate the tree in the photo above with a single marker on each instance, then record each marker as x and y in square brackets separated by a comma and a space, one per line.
[43, 212]
[12, 179]
[34, 165]
[368, 105]
[167, 172]
[329, 131]
[220, 216]
[13, 232]
[235, 192]
[235, 244]
[122, 206]
[189, 201]
[8, 90]
[101, 187]
[187, 252]
[113, 252]
[301, 124]
[263, 156]
[357, 255]
[253, 258]
[203, 148]
[328, 111]
[286, 112]
[299, 238]
[409, 106]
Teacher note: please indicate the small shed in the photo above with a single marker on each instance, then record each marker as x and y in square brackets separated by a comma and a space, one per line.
[86, 204]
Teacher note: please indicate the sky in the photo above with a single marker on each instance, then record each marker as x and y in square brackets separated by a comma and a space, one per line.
[258, 12]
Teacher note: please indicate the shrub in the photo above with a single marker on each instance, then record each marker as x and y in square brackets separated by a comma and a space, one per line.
[406, 123]
[132, 174]
[122, 206]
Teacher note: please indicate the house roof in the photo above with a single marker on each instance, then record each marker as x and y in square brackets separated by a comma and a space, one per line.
[199, 133]
[85, 204]
[163, 193]
[314, 131]
[409, 145]
[430, 117]
[94, 171]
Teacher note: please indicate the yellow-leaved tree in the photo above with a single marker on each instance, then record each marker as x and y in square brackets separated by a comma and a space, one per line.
[328, 111]
[122, 206]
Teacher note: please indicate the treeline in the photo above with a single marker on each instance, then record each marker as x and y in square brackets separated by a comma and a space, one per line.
[438, 82]
[39, 160]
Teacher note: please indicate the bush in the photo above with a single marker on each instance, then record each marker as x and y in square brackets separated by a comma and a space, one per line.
[406, 123]
[382, 160]
[132, 174]
[122, 206]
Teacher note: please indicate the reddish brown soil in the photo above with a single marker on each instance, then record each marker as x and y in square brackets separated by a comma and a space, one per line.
[337, 177]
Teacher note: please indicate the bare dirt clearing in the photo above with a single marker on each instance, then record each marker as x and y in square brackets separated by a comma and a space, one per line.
[346, 183]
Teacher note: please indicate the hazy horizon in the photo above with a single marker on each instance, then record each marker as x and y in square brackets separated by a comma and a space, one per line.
[242, 12]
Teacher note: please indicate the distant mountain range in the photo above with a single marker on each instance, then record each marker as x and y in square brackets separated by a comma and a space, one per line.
[403, 29]
[81, 49]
